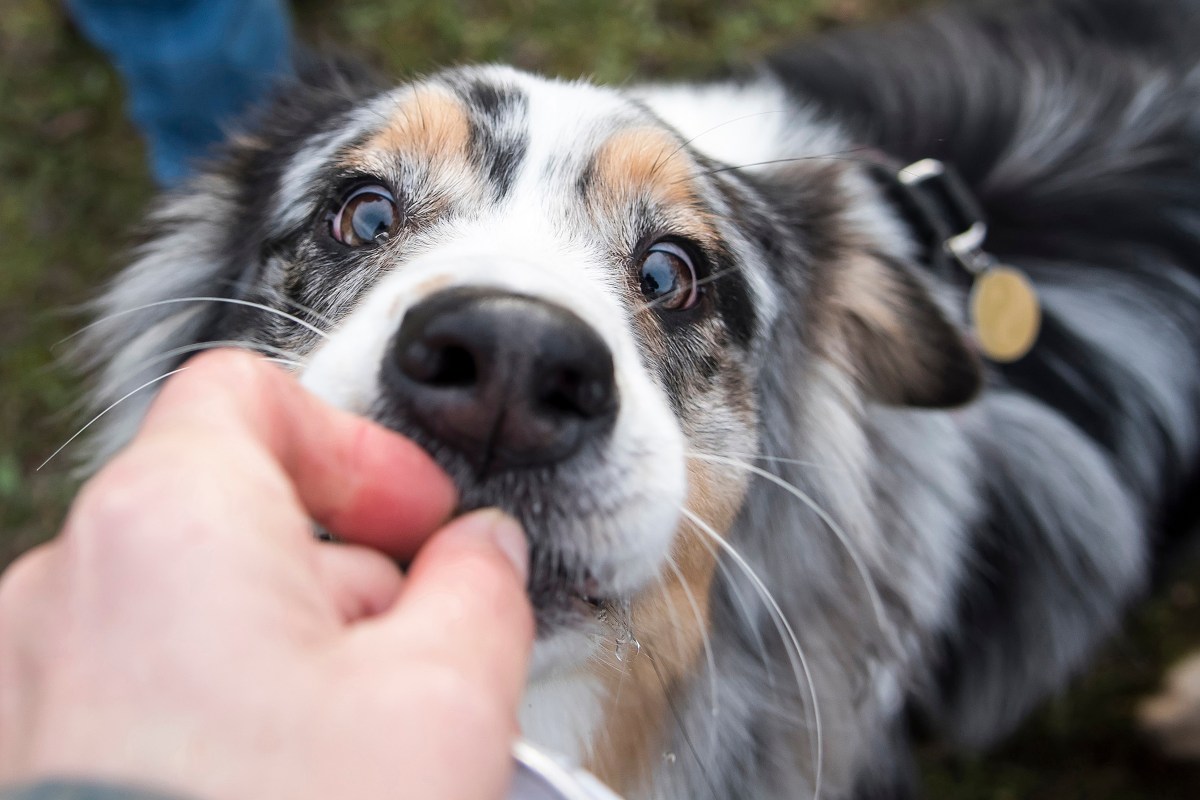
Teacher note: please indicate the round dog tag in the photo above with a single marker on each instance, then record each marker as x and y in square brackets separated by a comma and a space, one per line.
[1005, 313]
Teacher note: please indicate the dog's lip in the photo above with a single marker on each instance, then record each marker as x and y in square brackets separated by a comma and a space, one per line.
[560, 583]
[563, 595]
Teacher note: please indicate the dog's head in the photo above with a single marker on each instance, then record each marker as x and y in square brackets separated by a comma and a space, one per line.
[561, 297]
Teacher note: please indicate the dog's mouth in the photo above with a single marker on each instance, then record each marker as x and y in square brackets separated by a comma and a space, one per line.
[564, 596]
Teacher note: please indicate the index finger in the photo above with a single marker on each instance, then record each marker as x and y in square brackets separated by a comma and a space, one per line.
[367, 484]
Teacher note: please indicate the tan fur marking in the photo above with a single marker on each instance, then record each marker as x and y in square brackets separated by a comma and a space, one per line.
[646, 159]
[428, 123]
[649, 162]
[632, 740]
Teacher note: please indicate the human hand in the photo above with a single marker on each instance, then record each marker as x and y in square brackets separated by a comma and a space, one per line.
[186, 632]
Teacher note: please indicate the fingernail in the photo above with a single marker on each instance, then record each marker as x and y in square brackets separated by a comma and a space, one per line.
[508, 535]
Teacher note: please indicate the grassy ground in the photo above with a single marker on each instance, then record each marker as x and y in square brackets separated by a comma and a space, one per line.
[73, 180]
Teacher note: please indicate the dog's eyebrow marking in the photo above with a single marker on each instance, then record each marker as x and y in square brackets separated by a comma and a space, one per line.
[429, 122]
[641, 160]
[647, 164]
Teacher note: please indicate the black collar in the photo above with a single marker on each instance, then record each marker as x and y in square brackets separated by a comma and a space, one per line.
[946, 220]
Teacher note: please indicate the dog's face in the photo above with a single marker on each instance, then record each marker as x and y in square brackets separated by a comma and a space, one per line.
[541, 284]
[555, 293]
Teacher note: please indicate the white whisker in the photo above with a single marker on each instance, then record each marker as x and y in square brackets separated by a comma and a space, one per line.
[841, 155]
[885, 623]
[781, 460]
[743, 608]
[661, 161]
[174, 300]
[324, 319]
[701, 282]
[282, 355]
[285, 362]
[94, 419]
[709, 658]
[795, 655]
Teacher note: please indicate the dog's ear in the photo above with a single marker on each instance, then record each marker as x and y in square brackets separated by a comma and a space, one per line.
[869, 312]
[879, 321]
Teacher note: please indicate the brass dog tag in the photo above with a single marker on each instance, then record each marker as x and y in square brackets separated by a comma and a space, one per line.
[1005, 313]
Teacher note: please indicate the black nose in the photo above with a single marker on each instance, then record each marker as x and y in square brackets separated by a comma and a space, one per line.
[507, 380]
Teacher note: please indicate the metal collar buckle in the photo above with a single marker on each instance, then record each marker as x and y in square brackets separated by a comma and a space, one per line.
[938, 193]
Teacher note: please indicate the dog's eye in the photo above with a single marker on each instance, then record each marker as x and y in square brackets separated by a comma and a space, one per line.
[369, 215]
[668, 279]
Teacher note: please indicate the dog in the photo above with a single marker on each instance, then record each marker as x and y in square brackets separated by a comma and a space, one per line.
[725, 349]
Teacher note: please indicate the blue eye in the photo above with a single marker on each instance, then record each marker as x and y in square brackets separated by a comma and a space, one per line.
[368, 216]
[668, 278]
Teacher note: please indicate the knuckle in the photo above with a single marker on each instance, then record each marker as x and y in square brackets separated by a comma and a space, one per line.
[114, 504]
[112, 497]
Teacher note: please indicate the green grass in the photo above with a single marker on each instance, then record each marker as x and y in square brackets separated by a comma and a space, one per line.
[73, 181]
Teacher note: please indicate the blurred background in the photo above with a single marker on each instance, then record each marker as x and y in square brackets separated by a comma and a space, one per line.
[74, 182]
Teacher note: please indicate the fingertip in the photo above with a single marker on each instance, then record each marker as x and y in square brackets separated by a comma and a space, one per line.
[464, 607]
[401, 495]
[471, 576]
[497, 529]
[473, 572]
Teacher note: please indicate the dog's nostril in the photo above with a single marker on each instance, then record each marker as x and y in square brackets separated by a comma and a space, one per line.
[570, 392]
[447, 365]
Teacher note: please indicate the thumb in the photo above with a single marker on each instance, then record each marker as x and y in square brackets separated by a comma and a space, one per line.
[464, 604]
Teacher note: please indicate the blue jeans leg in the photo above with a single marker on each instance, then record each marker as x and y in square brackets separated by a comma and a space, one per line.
[190, 66]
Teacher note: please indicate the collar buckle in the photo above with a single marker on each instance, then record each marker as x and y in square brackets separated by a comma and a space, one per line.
[936, 193]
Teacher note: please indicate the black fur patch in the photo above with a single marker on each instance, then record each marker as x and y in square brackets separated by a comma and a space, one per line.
[498, 131]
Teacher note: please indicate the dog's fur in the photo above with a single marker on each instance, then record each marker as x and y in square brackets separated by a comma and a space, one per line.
[939, 555]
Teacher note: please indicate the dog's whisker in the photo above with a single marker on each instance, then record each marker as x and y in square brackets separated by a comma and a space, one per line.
[672, 607]
[281, 355]
[324, 319]
[781, 460]
[885, 623]
[286, 362]
[840, 155]
[99, 416]
[666, 159]
[198, 299]
[743, 608]
[795, 654]
[701, 282]
[709, 658]
[687, 739]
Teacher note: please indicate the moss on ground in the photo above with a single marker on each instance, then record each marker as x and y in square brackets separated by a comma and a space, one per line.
[73, 182]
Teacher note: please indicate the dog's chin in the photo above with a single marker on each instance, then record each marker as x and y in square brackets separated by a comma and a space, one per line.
[591, 546]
